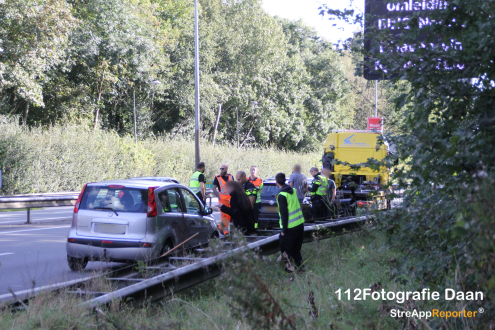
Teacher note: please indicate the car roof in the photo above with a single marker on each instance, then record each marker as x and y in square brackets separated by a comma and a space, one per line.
[132, 183]
[271, 180]
[156, 178]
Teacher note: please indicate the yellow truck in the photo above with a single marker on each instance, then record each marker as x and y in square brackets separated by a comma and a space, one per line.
[356, 147]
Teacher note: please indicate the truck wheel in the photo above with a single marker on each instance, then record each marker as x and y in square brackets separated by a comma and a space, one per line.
[77, 264]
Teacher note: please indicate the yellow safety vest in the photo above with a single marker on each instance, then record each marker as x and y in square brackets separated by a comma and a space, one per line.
[322, 189]
[295, 213]
[194, 184]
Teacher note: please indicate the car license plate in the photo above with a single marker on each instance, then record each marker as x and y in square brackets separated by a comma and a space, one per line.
[269, 209]
[109, 228]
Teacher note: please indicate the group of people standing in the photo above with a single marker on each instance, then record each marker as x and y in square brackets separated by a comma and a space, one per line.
[239, 199]
[240, 203]
[322, 190]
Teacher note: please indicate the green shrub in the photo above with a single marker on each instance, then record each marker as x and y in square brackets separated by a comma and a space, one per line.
[63, 158]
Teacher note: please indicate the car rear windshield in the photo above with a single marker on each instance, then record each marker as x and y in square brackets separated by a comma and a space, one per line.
[118, 199]
[269, 190]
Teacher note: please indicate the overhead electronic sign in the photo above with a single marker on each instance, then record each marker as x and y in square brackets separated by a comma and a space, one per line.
[386, 20]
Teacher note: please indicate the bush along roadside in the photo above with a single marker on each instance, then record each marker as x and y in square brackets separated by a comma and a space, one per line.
[64, 158]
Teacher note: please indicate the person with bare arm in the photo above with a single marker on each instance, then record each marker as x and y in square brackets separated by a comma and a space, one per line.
[220, 191]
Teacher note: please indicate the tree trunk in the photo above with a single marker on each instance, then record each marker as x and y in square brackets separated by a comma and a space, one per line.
[216, 124]
[249, 132]
[97, 114]
[100, 91]
[26, 111]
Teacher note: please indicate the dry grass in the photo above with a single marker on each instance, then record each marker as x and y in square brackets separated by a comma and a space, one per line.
[64, 158]
[353, 261]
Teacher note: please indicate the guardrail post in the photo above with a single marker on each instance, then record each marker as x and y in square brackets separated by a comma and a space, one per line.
[28, 215]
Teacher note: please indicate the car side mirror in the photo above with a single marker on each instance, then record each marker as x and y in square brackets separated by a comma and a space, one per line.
[207, 211]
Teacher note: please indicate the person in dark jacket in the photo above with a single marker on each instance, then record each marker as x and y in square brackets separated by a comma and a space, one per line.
[241, 210]
[292, 224]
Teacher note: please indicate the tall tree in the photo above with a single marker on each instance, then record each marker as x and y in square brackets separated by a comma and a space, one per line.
[118, 49]
[33, 36]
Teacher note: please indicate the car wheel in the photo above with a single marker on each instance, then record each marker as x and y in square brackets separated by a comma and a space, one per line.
[167, 246]
[77, 264]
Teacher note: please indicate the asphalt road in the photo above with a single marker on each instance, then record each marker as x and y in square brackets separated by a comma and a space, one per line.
[34, 255]
[47, 214]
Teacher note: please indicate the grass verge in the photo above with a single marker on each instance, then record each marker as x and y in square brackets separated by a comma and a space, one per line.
[355, 260]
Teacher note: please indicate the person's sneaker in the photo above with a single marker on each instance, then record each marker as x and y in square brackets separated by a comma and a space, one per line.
[289, 268]
[281, 257]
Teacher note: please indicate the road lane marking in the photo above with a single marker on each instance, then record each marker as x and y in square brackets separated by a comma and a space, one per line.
[50, 287]
[6, 254]
[35, 212]
[42, 219]
[24, 230]
[23, 214]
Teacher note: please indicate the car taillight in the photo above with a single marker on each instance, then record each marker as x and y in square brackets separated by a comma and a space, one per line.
[78, 202]
[362, 204]
[151, 202]
[147, 245]
[116, 186]
[107, 242]
[71, 240]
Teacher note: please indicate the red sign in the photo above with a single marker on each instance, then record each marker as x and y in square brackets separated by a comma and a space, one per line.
[375, 124]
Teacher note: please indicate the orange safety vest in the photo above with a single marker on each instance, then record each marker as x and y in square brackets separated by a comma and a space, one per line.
[256, 182]
[224, 196]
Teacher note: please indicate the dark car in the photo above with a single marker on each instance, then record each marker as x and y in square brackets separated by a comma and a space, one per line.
[269, 216]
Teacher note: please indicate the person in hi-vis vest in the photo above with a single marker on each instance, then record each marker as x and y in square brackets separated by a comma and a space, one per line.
[292, 225]
[219, 190]
[197, 182]
[258, 183]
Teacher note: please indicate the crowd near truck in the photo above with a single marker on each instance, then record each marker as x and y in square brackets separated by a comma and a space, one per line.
[365, 185]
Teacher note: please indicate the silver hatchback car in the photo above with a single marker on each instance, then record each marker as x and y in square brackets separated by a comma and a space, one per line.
[133, 220]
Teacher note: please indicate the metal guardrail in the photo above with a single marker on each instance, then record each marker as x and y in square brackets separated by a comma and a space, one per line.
[38, 200]
[171, 277]
[29, 201]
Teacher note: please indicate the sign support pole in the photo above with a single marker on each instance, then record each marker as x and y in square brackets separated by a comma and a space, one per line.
[376, 98]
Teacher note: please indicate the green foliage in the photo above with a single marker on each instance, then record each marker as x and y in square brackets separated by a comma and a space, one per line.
[445, 137]
[33, 36]
[64, 158]
[282, 80]
[339, 262]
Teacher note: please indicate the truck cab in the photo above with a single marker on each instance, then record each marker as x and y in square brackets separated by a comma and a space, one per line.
[356, 147]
